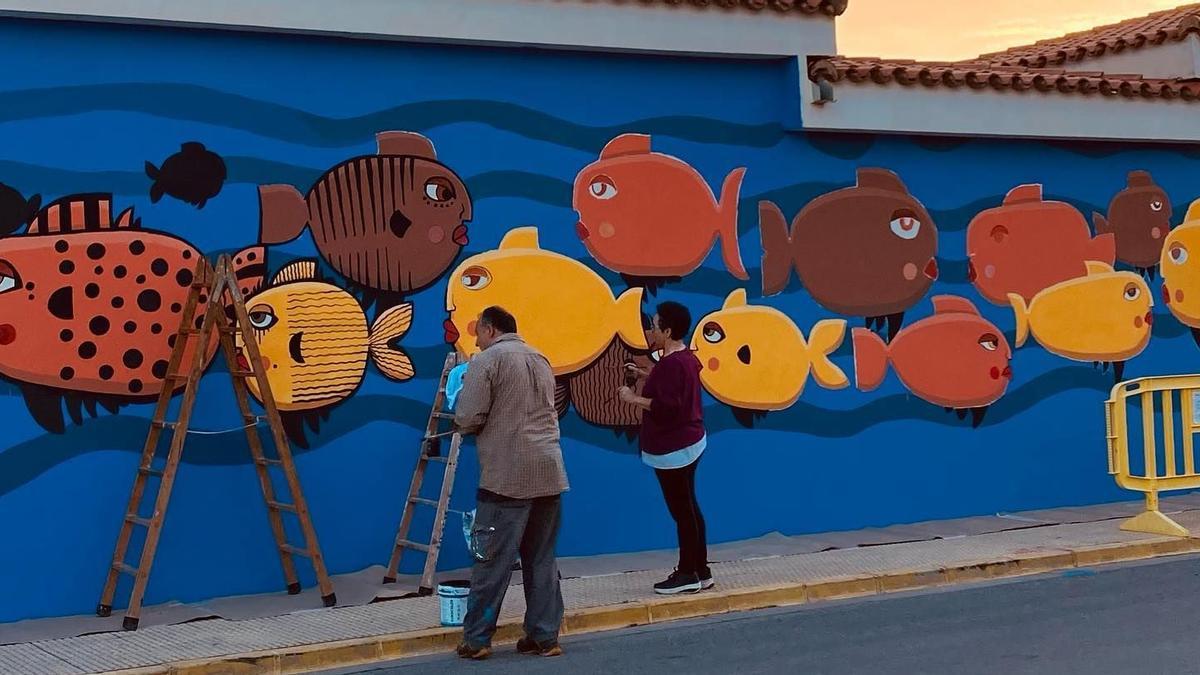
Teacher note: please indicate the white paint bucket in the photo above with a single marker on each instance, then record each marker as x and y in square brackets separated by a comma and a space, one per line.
[453, 597]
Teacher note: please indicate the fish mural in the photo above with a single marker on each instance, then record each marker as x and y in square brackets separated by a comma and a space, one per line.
[392, 223]
[16, 211]
[955, 359]
[869, 250]
[193, 175]
[1181, 271]
[593, 390]
[1028, 244]
[562, 307]
[1140, 217]
[755, 359]
[652, 217]
[1104, 317]
[89, 307]
[315, 343]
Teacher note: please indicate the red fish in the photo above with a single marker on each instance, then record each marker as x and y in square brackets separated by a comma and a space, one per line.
[955, 358]
[651, 216]
[1027, 245]
[1140, 217]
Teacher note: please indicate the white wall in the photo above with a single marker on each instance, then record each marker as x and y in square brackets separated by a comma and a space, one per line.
[1170, 60]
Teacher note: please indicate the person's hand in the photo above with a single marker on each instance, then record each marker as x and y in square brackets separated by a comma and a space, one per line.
[625, 394]
[632, 368]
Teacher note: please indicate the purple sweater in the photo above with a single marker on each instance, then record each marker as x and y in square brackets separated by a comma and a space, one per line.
[676, 417]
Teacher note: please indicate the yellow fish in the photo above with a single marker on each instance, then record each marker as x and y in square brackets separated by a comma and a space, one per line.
[563, 309]
[755, 359]
[1104, 316]
[315, 343]
[1181, 271]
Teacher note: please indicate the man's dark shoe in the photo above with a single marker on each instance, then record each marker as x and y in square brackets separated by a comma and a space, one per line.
[527, 645]
[466, 651]
[678, 582]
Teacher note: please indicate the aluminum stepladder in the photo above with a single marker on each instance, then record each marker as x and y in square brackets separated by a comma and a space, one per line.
[430, 452]
[220, 286]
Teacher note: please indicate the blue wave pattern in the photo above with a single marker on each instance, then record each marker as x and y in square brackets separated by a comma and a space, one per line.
[517, 126]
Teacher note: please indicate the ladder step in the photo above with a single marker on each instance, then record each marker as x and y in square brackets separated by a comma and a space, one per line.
[280, 506]
[443, 416]
[269, 462]
[242, 373]
[295, 550]
[138, 520]
[163, 424]
[413, 545]
[126, 569]
[151, 472]
[426, 502]
[439, 458]
[444, 434]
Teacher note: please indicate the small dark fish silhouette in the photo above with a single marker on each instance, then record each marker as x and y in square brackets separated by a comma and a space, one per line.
[15, 210]
[193, 175]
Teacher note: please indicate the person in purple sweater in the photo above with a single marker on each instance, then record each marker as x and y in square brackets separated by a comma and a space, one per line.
[673, 438]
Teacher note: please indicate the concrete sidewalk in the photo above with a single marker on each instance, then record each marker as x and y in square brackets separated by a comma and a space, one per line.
[326, 638]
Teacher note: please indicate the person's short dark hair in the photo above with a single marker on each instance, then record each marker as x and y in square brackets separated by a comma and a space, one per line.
[674, 318]
[500, 319]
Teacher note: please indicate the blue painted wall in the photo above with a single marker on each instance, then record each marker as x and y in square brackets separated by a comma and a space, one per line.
[84, 106]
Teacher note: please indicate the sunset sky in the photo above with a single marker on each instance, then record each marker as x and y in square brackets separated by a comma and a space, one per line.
[959, 29]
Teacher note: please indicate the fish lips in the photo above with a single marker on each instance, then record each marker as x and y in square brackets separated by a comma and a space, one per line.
[1006, 374]
[452, 334]
[295, 347]
[582, 231]
[743, 354]
[931, 269]
[460, 235]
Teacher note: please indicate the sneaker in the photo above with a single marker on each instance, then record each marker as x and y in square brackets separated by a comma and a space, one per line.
[678, 582]
[706, 580]
[466, 651]
[528, 645]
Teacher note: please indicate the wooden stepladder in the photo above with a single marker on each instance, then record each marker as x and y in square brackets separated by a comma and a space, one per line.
[430, 452]
[220, 285]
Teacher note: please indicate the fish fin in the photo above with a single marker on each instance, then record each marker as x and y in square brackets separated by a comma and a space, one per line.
[1021, 313]
[250, 269]
[881, 179]
[74, 405]
[283, 213]
[152, 173]
[126, 221]
[961, 412]
[894, 323]
[746, 417]
[388, 328]
[1100, 223]
[520, 237]
[74, 213]
[297, 270]
[1095, 267]
[1118, 370]
[728, 215]
[953, 304]
[824, 339]
[156, 193]
[1196, 336]
[293, 426]
[1104, 248]
[977, 415]
[1024, 194]
[32, 206]
[45, 406]
[627, 313]
[1193, 212]
[870, 359]
[777, 257]
[736, 298]
[192, 146]
[90, 404]
[626, 144]
[406, 143]
[1140, 179]
[562, 396]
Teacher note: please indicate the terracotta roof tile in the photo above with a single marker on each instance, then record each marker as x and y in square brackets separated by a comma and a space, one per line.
[827, 7]
[1163, 27]
[1001, 78]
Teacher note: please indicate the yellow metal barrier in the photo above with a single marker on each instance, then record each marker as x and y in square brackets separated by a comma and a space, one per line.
[1155, 395]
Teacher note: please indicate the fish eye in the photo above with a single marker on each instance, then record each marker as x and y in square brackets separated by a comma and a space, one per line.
[476, 277]
[713, 333]
[9, 279]
[439, 189]
[1132, 292]
[602, 187]
[905, 224]
[1156, 205]
[262, 317]
[1178, 254]
[990, 342]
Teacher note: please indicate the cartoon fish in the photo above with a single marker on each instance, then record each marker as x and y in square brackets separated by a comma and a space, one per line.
[392, 222]
[315, 343]
[193, 175]
[1104, 317]
[1028, 244]
[15, 210]
[652, 217]
[868, 250]
[956, 358]
[592, 391]
[1140, 217]
[563, 309]
[755, 360]
[89, 308]
[1181, 271]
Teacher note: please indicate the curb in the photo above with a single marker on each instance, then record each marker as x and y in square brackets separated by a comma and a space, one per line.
[365, 651]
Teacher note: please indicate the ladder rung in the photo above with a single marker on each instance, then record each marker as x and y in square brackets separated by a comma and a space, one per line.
[138, 520]
[439, 458]
[443, 434]
[269, 462]
[242, 373]
[426, 502]
[280, 506]
[443, 416]
[295, 551]
[163, 424]
[150, 472]
[413, 545]
[126, 569]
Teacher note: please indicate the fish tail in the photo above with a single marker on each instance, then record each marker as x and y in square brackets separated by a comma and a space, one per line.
[730, 250]
[870, 359]
[1021, 312]
[628, 313]
[283, 213]
[389, 327]
[1100, 223]
[776, 247]
[151, 171]
[824, 339]
[1104, 248]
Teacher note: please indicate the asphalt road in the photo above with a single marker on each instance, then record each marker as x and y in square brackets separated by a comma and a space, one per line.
[1141, 618]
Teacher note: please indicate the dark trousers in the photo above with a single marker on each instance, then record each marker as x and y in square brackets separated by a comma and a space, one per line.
[505, 528]
[679, 489]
